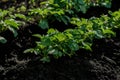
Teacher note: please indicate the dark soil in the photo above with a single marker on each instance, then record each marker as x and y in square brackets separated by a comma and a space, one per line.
[103, 63]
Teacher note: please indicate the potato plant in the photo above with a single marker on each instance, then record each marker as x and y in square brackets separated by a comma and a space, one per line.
[58, 44]
[60, 9]
[8, 23]
[12, 17]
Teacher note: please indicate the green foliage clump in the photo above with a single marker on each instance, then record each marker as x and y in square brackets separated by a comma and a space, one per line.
[42, 12]
[59, 44]
[10, 21]
[56, 43]
[60, 9]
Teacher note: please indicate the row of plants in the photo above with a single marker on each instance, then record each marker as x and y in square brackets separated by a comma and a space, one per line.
[57, 44]
[61, 3]
[47, 12]
[63, 10]
[9, 21]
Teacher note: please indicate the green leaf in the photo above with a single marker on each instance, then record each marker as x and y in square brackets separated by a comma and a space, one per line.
[29, 50]
[46, 41]
[2, 40]
[45, 59]
[69, 35]
[3, 13]
[81, 2]
[37, 35]
[55, 53]
[61, 37]
[107, 4]
[108, 31]
[83, 8]
[73, 46]
[23, 8]
[43, 24]
[14, 31]
[41, 46]
[98, 34]
[64, 20]
[51, 30]
[21, 16]
[51, 1]
[87, 46]
[12, 23]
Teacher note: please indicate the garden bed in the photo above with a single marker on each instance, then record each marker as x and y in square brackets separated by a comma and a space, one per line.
[102, 63]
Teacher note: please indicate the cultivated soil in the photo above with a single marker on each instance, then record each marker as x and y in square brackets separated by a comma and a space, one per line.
[103, 63]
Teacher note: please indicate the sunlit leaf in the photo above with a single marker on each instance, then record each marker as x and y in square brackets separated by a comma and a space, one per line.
[12, 23]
